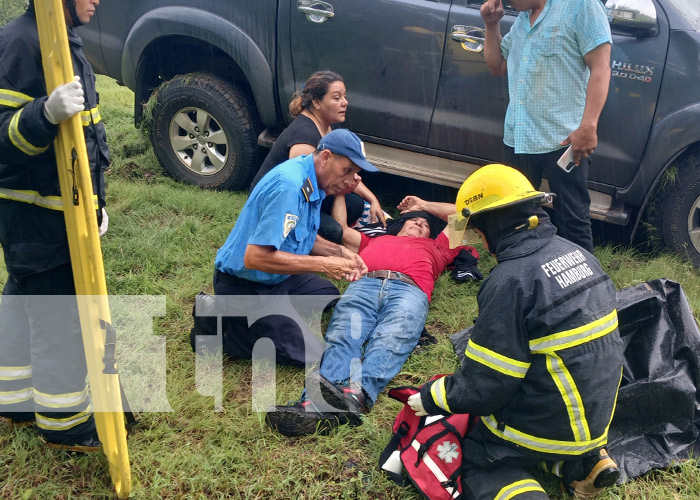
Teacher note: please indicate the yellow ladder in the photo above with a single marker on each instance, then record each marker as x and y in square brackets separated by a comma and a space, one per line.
[85, 249]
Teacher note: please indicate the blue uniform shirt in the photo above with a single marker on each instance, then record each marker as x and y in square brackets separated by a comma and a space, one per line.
[547, 75]
[276, 214]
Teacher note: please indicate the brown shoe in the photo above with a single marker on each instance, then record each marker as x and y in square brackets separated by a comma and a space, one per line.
[597, 472]
[89, 445]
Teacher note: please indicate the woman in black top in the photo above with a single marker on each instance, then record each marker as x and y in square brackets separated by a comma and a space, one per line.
[317, 109]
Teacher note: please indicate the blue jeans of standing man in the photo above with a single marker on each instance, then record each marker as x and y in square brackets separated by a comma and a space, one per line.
[374, 328]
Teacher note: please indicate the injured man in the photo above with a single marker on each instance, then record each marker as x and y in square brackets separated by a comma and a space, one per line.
[379, 319]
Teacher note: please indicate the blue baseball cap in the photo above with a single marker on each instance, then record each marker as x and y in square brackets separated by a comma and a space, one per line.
[345, 143]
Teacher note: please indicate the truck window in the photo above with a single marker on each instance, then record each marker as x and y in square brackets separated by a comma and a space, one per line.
[690, 9]
[507, 6]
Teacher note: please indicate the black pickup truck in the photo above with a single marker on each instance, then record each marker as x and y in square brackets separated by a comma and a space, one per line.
[222, 72]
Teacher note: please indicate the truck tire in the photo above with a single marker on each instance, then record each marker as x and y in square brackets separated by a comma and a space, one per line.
[204, 132]
[677, 210]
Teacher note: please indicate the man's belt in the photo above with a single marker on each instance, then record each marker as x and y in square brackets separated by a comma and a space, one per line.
[392, 275]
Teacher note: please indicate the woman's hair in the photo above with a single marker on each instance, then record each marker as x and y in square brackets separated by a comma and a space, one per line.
[315, 88]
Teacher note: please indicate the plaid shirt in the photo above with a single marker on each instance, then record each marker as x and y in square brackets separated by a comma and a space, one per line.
[547, 75]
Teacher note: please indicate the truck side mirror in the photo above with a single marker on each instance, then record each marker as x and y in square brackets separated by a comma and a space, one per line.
[633, 17]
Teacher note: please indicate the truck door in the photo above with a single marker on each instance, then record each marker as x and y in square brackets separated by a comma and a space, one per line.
[471, 103]
[388, 52]
[637, 66]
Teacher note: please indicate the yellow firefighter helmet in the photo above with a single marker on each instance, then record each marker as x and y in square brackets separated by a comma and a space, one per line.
[489, 188]
[495, 186]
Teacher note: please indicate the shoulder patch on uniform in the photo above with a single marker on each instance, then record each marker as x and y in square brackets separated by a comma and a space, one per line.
[290, 222]
[307, 189]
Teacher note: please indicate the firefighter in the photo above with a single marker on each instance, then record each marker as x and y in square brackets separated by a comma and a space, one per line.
[544, 359]
[42, 362]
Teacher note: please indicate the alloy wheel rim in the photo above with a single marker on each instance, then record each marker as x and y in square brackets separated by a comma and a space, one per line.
[198, 141]
[694, 224]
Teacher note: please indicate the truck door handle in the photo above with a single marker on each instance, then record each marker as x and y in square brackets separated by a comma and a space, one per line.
[316, 11]
[471, 37]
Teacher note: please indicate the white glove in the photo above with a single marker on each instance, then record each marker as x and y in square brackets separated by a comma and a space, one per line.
[65, 101]
[416, 404]
[105, 223]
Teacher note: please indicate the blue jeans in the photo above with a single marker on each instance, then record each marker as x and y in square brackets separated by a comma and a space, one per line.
[374, 328]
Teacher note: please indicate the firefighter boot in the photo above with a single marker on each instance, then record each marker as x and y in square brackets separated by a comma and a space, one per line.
[587, 476]
[89, 444]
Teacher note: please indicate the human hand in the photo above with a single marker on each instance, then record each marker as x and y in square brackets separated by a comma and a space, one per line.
[65, 101]
[376, 214]
[105, 223]
[341, 268]
[361, 267]
[583, 142]
[492, 11]
[416, 404]
[411, 204]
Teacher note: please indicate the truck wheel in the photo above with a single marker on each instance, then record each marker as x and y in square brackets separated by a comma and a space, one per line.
[204, 132]
[677, 211]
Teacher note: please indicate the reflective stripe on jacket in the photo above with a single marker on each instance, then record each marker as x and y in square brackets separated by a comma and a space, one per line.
[544, 360]
[28, 172]
[50, 202]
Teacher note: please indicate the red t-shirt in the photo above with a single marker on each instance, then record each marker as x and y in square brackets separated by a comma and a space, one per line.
[423, 259]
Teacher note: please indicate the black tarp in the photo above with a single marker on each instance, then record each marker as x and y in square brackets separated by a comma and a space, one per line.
[657, 419]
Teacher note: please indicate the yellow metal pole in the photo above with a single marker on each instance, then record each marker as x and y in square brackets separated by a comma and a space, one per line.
[85, 249]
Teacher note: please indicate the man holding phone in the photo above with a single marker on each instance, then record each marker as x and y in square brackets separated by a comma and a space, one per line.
[557, 58]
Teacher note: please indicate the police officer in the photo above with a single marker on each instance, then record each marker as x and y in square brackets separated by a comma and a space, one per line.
[42, 362]
[544, 360]
[273, 249]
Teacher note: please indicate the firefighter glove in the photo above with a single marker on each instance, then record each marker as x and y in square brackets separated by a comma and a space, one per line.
[104, 225]
[65, 101]
[416, 404]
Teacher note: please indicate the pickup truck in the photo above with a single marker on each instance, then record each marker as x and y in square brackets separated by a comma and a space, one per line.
[214, 78]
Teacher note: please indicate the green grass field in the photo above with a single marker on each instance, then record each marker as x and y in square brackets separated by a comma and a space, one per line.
[162, 241]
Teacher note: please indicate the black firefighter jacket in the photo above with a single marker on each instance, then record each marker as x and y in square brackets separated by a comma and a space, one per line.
[544, 361]
[32, 227]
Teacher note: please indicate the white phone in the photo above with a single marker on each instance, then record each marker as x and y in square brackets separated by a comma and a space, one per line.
[566, 162]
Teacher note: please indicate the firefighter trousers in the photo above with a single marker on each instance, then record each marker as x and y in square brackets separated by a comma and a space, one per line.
[43, 374]
[496, 472]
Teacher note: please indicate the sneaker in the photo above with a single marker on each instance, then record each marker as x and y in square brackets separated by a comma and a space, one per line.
[350, 399]
[90, 444]
[593, 473]
[15, 424]
[300, 418]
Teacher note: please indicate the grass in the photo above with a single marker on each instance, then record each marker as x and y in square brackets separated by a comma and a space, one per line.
[9, 9]
[162, 241]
